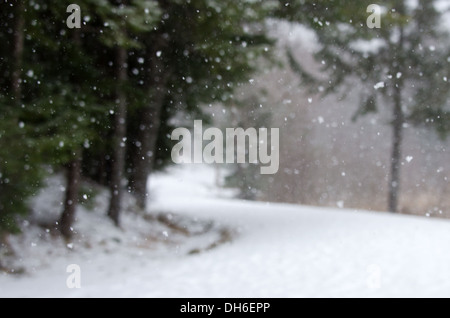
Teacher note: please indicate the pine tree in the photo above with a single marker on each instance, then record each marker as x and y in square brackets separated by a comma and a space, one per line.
[406, 54]
[20, 172]
[67, 94]
[62, 102]
[199, 53]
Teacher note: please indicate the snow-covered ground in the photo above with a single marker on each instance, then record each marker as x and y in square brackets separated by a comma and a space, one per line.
[277, 251]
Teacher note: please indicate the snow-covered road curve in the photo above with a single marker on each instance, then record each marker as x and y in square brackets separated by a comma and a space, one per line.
[280, 251]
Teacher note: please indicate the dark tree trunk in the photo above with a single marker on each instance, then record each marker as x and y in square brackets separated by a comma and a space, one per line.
[17, 50]
[150, 123]
[71, 199]
[144, 159]
[73, 175]
[118, 158]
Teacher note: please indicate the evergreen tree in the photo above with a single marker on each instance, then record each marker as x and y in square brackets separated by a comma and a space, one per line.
[399, 62]
[19, 161]
[58, 91]
[68, 94]
[199, 53]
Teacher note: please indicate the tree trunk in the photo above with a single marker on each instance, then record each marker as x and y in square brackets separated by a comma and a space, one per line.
[397, 129]
[118, 158]
[17, 50]
[71, 199]
[150, 123]
[73, 175]
[397, 125]
[144, 159]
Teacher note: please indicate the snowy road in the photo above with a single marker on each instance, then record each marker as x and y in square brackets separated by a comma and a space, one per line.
[288, 251]
[280, 251]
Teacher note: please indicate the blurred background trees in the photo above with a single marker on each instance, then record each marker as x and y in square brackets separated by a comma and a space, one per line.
[404, 62]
